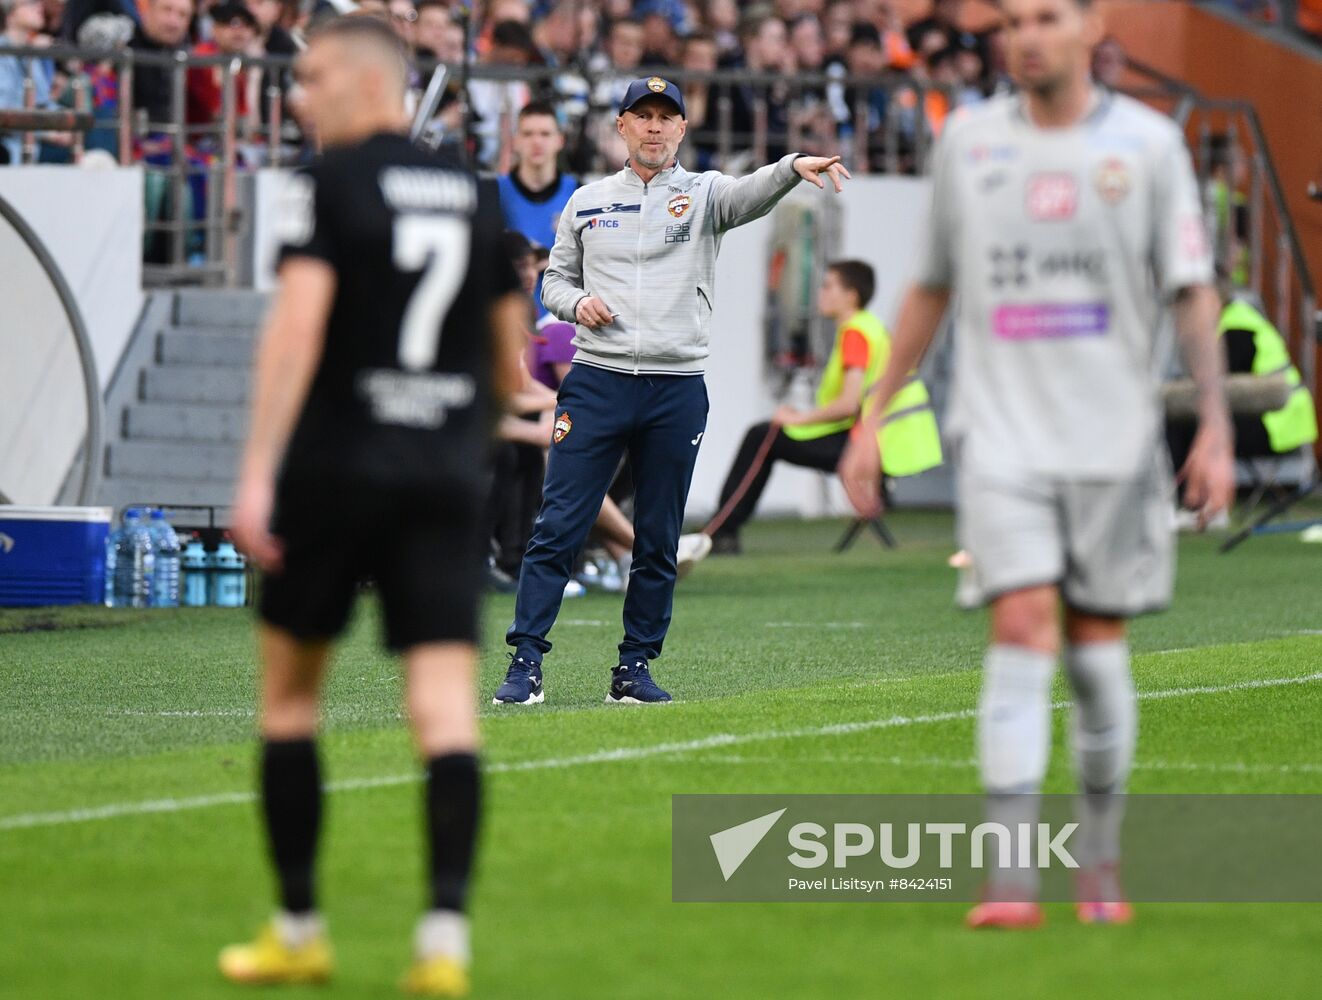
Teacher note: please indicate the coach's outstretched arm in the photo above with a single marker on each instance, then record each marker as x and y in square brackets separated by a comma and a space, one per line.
[860, 466]
[737, 200]
[287, 357]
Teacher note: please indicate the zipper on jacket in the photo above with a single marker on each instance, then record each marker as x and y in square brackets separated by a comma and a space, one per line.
[638, 286]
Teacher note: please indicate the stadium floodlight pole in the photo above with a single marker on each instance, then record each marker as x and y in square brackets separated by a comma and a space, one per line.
[431, 100]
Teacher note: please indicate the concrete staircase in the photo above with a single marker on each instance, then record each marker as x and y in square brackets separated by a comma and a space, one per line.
[177, 408]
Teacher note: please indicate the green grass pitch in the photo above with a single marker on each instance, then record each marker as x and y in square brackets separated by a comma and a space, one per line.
[103, 895]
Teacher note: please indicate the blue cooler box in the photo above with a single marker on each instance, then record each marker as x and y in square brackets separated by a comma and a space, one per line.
[52, 555]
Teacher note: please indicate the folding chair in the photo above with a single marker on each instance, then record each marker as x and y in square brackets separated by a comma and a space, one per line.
[876, 524]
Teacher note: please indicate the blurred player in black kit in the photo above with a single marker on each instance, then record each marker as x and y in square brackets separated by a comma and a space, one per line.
[368, 456]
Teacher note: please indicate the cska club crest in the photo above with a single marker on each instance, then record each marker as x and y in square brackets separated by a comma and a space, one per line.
[563, 425]
[1113, 181]
[678, 205]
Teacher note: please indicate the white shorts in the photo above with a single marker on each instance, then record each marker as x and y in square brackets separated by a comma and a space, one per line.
[1108, 545]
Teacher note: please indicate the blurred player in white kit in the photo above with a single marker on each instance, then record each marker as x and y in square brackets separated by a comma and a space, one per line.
[1065, 221]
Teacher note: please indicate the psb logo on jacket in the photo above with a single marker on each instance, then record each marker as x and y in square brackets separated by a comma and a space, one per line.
[603, 224]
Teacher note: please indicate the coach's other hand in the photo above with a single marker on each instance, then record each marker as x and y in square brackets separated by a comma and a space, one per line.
[811, 168]
[593, 313]
[860, 470]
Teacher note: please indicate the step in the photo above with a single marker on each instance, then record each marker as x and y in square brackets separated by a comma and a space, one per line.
[190, 462]
[181, 422]
[191, 384]
[187, 347]
[120, 493]
[213, 307]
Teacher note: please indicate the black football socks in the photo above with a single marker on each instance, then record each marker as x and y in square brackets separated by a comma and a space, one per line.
[453, 796]
[291, 802]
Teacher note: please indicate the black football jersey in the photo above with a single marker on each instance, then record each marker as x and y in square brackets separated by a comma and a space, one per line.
[402, 394]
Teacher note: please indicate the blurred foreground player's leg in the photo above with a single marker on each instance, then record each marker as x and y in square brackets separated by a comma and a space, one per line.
[1063, 277]
[368, 456]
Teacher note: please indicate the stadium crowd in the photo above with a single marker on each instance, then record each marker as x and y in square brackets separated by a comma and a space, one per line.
[812, 73]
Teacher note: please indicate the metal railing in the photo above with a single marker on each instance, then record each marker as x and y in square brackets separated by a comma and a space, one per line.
[738, 120]
[1252, 232]
[195, 216]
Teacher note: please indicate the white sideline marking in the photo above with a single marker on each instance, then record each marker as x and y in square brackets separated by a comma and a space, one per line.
[1230, 645]
[189, 713]
[1228, 767]
[581, 621]
[819, 624]
[24, 821]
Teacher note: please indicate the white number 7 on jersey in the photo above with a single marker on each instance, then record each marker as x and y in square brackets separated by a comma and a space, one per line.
[437, 245]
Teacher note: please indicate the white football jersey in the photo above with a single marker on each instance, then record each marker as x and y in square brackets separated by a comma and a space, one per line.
[1063, 248]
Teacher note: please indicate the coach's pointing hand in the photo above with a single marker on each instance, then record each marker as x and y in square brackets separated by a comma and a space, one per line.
[593, 313]
[810, 168]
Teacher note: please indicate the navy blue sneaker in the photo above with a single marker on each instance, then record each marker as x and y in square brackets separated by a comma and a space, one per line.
[523, 684]
[632, 684]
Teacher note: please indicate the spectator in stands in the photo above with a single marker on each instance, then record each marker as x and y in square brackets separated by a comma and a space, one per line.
[534, 193]
[809, 44]
[52, 17]
[837, 29]
[883, 15]
[766, 50]
[76, 12]
[438, 35]
[274, 40]
[616, 66]
[701, 142]
[1109, 62]
[403, 18]
[104, 33]
[568, 30]
[861, 107]
[972, 72]
[495, 103]
[660, 43]
[499, 11]
[233, 32]
[944, 20]
[164, 28]
[24, 20]
[722, 20]
[522, 437]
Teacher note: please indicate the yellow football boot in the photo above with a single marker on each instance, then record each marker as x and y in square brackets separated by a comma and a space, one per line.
[269, 960]
[441, 976]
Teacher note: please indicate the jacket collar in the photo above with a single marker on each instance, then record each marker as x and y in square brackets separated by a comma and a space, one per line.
[630, 176]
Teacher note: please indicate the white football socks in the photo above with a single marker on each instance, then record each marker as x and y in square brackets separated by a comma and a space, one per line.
[1014, 744]
[1104, 729]
[298, 929]
[442, 932]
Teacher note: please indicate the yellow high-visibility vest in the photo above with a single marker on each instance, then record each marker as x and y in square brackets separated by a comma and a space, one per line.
[908, 439]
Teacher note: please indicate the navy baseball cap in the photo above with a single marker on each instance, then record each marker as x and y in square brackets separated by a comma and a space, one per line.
[652, 86]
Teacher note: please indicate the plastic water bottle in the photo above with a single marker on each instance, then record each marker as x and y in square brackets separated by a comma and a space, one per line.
[194, 562]
[130, 564]
[165, 585]
[229, 580]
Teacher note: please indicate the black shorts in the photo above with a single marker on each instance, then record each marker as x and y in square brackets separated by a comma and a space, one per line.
[424, 549]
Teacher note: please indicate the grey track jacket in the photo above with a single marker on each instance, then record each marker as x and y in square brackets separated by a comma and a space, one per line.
[649, 252]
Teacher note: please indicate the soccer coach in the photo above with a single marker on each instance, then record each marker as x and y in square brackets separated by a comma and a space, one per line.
[634, 267]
